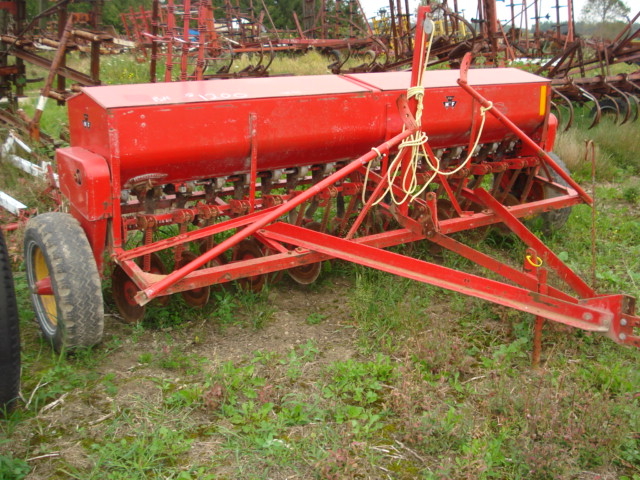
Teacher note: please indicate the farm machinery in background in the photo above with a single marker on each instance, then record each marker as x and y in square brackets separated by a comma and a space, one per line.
[22, 42]
[175, 188]
[580, 68]
[198, 40]
[57, 29]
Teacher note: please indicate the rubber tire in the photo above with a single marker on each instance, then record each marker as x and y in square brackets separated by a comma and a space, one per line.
[75, 281]
[9, 335]
[555, 219]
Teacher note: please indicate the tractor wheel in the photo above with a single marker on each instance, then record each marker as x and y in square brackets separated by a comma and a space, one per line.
[555, 219]
[9, 335]
[64, 281]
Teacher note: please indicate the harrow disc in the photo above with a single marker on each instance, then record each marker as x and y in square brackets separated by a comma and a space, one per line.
[307, 274]
[246, 250]
[124, 290]
[198, 297]
[377, 221]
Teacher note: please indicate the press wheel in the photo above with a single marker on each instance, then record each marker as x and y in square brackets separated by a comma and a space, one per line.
[124, 291]
[198, 297]
[246, 250]
[307, 274]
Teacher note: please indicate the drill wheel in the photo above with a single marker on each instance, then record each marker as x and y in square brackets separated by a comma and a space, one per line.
[247, 250]
[198, 297]
[307, 274]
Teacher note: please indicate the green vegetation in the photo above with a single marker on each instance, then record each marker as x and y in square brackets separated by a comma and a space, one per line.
[363, 375]
[615, 148]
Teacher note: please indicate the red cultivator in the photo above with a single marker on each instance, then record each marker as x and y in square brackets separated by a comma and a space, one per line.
[252, 176]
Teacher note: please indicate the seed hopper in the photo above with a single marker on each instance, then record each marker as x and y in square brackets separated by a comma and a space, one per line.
[175, 188]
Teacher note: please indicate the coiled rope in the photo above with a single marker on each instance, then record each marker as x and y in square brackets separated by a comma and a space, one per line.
[416, 143]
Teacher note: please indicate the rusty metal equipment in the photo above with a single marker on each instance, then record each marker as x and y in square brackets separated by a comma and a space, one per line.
[581, 73]
[580, 68]
[197, 40]
[21, 39]
[174, 188]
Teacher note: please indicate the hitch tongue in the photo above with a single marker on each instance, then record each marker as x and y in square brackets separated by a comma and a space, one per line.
[624, 322]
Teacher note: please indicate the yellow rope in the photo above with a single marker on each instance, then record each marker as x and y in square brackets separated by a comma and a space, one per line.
[416, 143]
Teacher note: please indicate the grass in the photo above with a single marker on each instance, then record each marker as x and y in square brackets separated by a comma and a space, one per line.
[615, 148]
[362, 375]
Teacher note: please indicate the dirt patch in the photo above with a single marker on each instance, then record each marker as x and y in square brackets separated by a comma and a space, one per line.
[68, 426]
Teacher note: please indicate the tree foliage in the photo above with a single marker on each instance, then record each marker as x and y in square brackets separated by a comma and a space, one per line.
[605, 10]
[281, 12]
[111, 9]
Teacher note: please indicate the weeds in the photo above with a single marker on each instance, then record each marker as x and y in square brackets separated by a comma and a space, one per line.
[12, 468]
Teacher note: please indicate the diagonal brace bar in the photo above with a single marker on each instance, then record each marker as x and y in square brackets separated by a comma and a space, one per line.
[462, 81]
[585, 317]
[552, 260]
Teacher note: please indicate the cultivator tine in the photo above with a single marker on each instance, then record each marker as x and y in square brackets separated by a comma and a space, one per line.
[336, 67]
[569, 107]
[624, 96]
[385, 51]
[272, 55]
[257, 64]
[374, 57]
[636, 103]
[598, 115]
[615, 104]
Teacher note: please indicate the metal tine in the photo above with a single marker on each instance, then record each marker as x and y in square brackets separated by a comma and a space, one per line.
[628, 111]
[255, 67]
[569, 106]
[259, 62]
[272, 55]
[596, 119]
[386, 54]
[627, 102]
[636, 102]
[348, 56]
[371, 64]
[633, 96]
[336, 67]
[615, 104]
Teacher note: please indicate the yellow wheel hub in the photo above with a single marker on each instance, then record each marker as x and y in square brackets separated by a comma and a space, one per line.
[48, 301]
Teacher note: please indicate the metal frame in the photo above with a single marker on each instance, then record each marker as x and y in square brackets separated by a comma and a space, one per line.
[276, 221]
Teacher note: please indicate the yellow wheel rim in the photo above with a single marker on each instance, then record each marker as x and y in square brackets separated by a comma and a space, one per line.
[48, 301]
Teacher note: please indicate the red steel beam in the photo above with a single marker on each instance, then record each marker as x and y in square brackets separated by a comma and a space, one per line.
[581, 316]
[530, 282]
[150, 292]
[462, 81]
[550, 258]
